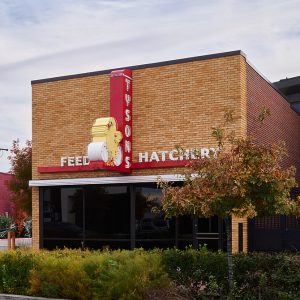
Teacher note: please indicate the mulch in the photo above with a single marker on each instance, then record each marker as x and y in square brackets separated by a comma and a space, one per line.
[170, 293]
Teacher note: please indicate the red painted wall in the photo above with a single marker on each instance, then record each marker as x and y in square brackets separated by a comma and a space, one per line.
[5, 205]
[282, 125]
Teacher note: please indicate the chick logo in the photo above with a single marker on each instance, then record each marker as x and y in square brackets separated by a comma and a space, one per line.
[111, 144]
[105, 145]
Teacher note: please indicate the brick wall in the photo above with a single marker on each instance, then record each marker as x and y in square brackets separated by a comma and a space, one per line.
[235, 237]
[35, 218]
[172, 105]
[282, 125]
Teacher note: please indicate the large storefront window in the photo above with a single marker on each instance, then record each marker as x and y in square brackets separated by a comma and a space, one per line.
[63, 213]
[107, 212]
[151, 227]
[63, 222]
[110, 216]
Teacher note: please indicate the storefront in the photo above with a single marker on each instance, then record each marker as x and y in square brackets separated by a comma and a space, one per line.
[101, 140]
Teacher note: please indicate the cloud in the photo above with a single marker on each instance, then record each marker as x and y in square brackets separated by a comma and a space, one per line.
[42, 39]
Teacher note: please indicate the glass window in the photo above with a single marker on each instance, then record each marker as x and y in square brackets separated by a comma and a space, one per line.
[185, 227]
[99, 216]
[150, 222]
[52, 244]
[63, 214]
[107, 212]
[206, 225]
[147, 245]
[111, 245]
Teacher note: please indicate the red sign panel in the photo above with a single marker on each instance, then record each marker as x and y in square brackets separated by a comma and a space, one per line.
[121, 110]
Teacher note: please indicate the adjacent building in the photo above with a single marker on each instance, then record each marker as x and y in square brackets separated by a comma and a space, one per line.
[5, 195]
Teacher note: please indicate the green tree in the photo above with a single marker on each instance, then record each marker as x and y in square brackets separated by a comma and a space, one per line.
[21, 167]
[242, 179]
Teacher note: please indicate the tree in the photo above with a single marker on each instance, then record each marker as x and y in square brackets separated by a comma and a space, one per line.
[21, 168]
[242, 179]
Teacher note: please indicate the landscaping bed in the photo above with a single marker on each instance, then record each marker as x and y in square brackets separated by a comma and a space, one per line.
[158, 274]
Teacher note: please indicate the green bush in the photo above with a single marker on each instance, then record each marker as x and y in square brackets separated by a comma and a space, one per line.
[268, 276]
[123, 274]
[203, 272]
[61, 277]
[15, 268]
[74, 274]
[257, 275]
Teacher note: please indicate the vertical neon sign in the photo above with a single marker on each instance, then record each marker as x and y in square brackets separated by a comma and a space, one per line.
[121, 110]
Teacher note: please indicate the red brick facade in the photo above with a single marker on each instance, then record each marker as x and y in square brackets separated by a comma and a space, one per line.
[282, 125]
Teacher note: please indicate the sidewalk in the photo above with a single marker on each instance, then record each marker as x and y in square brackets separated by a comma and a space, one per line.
[20, 242]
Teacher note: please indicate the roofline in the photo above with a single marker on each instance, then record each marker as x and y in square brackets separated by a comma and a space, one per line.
[144, 66]
[4, 173]
[271, 84]
[287, 82]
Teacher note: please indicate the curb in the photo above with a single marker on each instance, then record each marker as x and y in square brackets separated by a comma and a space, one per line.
[20, 297]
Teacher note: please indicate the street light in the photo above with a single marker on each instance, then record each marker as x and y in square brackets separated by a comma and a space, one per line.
[2, 151]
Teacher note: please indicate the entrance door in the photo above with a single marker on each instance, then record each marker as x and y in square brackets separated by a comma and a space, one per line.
[209, 231]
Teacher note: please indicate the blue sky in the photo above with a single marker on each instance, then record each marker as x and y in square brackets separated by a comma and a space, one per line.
[42, 38]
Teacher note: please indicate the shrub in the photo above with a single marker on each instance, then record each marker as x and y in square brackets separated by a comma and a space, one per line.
[257, 275]
[6, 224]
[22, 226]
[15, 267]
[75, 274]
[125, 274]
[61, 277]
[201, 271]
[268, 276]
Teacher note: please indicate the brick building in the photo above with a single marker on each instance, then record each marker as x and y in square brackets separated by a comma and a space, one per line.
[77, 202]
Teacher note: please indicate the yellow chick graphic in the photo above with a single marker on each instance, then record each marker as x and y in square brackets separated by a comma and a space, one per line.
[105, 142]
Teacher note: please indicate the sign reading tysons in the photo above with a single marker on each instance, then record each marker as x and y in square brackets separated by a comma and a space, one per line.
[112, 136]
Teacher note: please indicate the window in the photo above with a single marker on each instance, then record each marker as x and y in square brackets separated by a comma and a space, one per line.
[107, 212]
[110, 216]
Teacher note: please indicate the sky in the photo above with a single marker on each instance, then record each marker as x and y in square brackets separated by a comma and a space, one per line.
[42, 39]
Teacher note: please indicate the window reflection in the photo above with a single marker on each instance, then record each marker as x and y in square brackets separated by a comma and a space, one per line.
[63, 212]
[99, 216]
[185, 227]
[150, 222]
[107, 212]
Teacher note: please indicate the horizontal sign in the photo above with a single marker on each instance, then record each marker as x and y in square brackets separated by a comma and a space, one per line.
[146, 160]
[176, 154]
